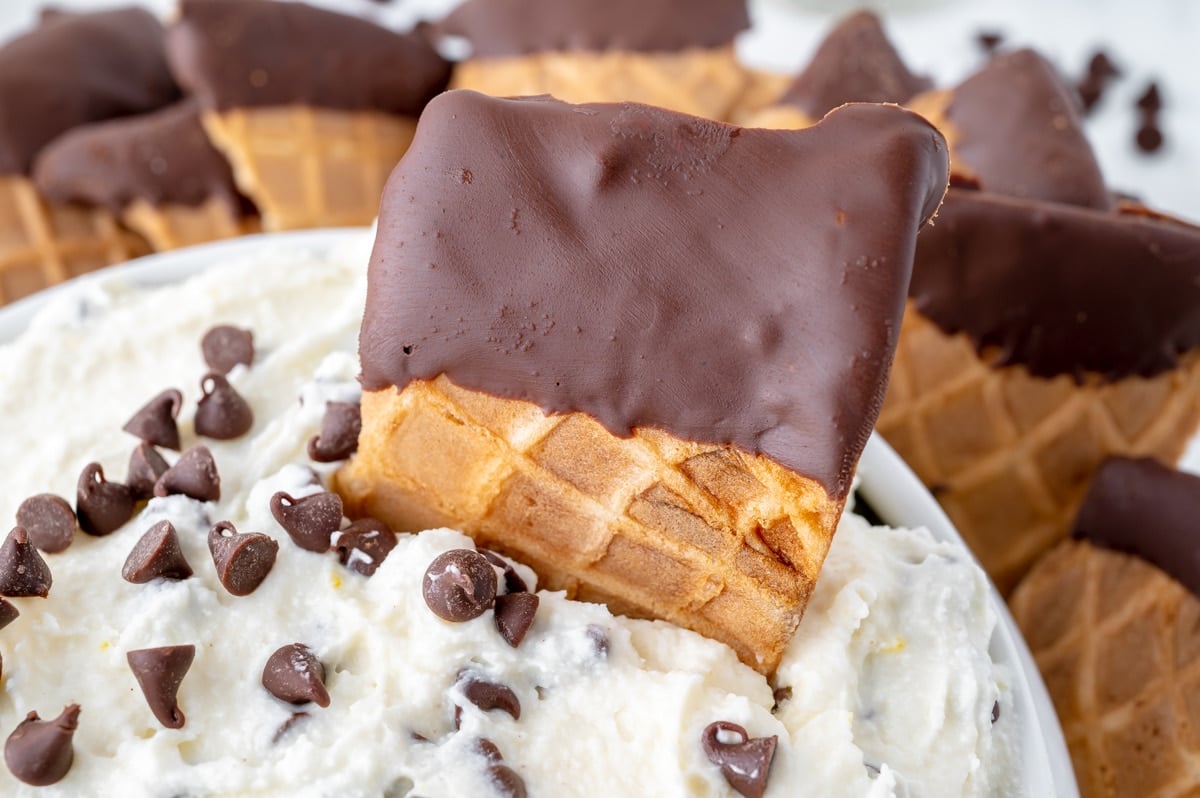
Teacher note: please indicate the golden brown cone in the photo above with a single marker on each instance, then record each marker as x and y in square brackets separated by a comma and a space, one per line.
[702, 82]
[762, 91]
[171, 226]
[307, 167]
[1118, 643]
[41, 244]
[712, 538]
[1009, 455]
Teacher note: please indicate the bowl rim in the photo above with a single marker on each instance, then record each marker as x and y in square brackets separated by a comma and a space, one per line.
[888, 484]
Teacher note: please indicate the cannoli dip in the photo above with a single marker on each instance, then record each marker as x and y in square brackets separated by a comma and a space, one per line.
[887, 689]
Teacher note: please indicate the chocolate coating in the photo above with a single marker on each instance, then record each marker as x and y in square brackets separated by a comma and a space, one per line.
[160, 157]
[74, 69]
[856, 63]
[1018, 131]
[1147, 509]
[246, 53]
[1049, 285]
[654, 269]
[519, 27]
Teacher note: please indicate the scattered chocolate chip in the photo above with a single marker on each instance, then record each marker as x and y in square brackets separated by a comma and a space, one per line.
[507, 782]
[490, 695]
[146, 465]
[49, 520]
[364, 545]
[103, 507]
[744, 764]
[295, 675]
[243, 560]
[459, 585]
[287, 726]
[995, 712]
[1101, 65]
[309, 521]
[599, 638]
[514, 615]
[513, 583]
[339, 433]
[155, 422]
[156, 555]
[222, 413]
[1090, 90]
[159, 672]
[40, 752]
[1100, 72]
[989, 40]
[226, 346]
[488, 750]
[1149, 136]
[23, 572]
[1150, 100]
[781, 694]
[8, 612]
[194, 475]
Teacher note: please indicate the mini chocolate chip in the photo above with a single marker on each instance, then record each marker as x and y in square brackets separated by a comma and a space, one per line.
[194, 475]
[507, 782]
[513, 583]
[1149, 137]
[995, 712]
[226, 346]
[1150, 100]
[103, 507]
[49, 520]
[287, 726]
[23, 572]
[781, 694]
[146, 465]
[746, 764]
[459, 585]
[989, 40]
[8, 612]
[1101, 65]
[242, 560]
[309, 521]
[156, 555]
[295, 675]
[1090, 90]
[488, 750]
[159, 672]
[599, 638]
[155, 422]
[40, 752]
[514, 615]
[364, 545]
[490, 695]
[339, 433]
[222, 413]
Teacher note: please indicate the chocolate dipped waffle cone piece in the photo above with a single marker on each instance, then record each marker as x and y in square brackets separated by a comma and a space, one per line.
[1113, 620]
[157, 172]
[675, 54]
[855, 63]
[1048, 327]
[312, 108]
[629, 350]
[71, 70]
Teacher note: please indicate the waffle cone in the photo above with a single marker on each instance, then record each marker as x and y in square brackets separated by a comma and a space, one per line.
[701, 82]
[1010, 455]
[1118, 643]
[172, 226]
[42, 244]
[307, 167]
[712, 538]
[779, 117]
[762, 91]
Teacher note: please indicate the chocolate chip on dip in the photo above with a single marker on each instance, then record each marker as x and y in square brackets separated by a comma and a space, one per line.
[744, 761]
[159, 672]
[23, 572]
[8, 612]
[295, 675]
[309, 521]
[339, 433]
[226, 346]
[156, 555]
[40, 752]
[194, 475]
[222, 413]
[155, 423]
[103, 507]
[459, 585]
[49, 520]
[489, 695]
[243, 560]
[514, 615]
[364, 545]
[146, 465]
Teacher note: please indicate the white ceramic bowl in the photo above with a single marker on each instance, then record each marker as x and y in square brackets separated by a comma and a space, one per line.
[888, 485]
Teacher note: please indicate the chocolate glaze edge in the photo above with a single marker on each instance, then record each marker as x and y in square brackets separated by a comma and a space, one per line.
[1149, 510]
[642, 266]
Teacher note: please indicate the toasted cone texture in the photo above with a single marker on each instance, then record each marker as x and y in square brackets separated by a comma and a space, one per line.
[1118, 643]
[779, 117]
[41, 245]
[308, 167]
[1009, 455]
[710, 537]
[171, 226]
[702, 82]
